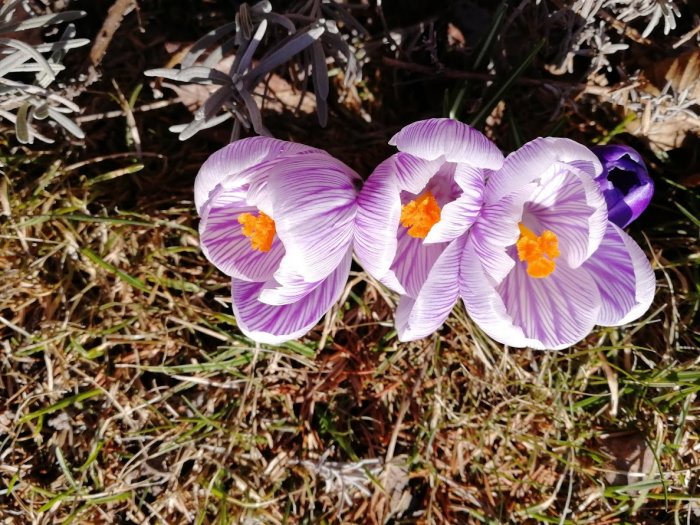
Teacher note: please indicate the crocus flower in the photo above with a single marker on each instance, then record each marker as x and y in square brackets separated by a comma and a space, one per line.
[543, 263]
[278, 218]
[625, 182]
[414, 212]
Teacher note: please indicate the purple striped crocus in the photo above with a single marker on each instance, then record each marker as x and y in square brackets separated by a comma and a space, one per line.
[413, 215]
[625, 183]
[278, 218]
[543, 263]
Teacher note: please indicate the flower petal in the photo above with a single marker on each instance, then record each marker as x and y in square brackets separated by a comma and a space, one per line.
[286, 287]
[557, 311]
[625, 183]
[457, 216]
[484, 305]
[457, 142]
[413, 173]
[275, 324]
[223, 242]
[624, 277]
[378, 213]
[314, 200]
[572, 206]
[534, 160]
[421, 315]
[550, 313]
[413, 262]
[495, 230]
[233, 162]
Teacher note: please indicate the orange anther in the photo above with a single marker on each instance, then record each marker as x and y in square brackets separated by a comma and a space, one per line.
[420, 215]
[259, 229]
[538, 252]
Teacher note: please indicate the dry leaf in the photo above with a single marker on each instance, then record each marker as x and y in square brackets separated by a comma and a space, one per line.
[283, 96]
[668, 134]
[631, 458]
[395, 498]
[672, 87]
[683, 72]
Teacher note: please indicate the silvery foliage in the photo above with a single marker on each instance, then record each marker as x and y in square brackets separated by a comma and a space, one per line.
[588, 35]
[23, 99]
[654, 10]
[312, 35]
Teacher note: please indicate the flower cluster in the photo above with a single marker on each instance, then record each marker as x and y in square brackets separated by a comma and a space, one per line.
[532, 243]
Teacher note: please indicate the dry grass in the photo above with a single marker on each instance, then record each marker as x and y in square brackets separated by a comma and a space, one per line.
[128, 396]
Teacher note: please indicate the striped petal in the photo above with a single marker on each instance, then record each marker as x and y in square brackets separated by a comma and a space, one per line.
[286, 287]
[483, 303]
[275, 324]
[456, 142]
[223, 242]
[623, 276]
[556, 311]
[550, 313]
[421, 315]
[378, 212]
[572, 206]
[458, 215]
[235, 164]
[314, 201]
[413, 173]
[413, 262]
[537, 159]
[495, 230]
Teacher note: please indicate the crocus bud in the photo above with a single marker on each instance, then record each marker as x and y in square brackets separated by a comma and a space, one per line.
[625, 183]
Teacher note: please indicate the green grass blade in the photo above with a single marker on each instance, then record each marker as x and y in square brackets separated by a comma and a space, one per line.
[503, 88]
[133, 281]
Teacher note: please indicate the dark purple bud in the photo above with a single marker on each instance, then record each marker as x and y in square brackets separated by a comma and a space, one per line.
[625, 183]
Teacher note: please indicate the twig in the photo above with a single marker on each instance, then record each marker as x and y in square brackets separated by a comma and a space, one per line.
[120, 113]
[690, 34]
[115, 15]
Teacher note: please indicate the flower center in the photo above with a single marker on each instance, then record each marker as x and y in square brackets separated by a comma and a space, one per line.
[538, 252]
[420, 215]
[259, 229]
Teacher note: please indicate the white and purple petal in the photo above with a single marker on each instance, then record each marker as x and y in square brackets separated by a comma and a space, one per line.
[314, 201]
[624, 278]
[275, 324]
[548, 314]
[412, 263]
[495, 230]
[413, 173]
[456, 142]
[224, 244]
[287, 286]
[458, 214]
[571, 206]
[535, 160]
[558, 310]
[377, 220]
[483, 303]
[419, 315]
[232, 164]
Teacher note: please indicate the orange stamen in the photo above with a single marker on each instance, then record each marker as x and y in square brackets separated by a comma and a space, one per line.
[538, 252]
[420, 215]
[260, 230]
